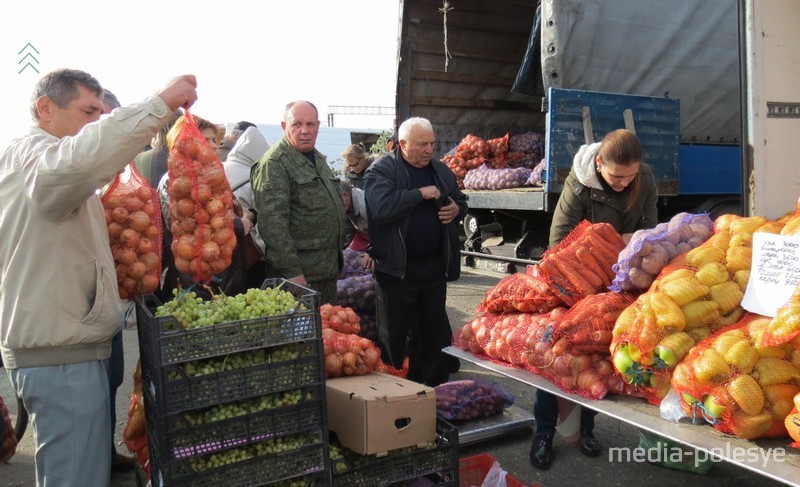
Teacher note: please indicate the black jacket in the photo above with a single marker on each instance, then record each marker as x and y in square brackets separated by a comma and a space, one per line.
[390, 201]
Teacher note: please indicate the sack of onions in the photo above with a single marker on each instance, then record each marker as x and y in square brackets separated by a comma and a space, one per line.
[200, 206]
[133, 216]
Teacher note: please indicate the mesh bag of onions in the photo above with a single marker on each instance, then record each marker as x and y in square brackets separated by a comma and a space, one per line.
[484, 177]
[133, 216]
[469, 399]
[201, 206]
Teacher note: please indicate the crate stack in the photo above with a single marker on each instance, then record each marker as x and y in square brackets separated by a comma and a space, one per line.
[238, 403]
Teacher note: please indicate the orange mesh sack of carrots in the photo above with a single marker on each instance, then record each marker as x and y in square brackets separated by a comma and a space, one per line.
[736, 384]
[695, 294]
[582, 263]
[572, 349]
[133, 216]
[201, 206]
[650, 250]
[520, 292]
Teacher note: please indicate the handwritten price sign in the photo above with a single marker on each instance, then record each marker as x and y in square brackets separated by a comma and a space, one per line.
[775, 273]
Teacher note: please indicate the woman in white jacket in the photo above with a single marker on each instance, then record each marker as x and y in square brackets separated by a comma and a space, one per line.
[248, 149]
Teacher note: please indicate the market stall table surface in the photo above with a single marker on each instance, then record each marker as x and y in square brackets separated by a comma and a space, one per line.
[772, 458]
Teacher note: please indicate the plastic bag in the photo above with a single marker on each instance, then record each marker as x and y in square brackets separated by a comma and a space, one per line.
[133, 216]
[470, 399]
[200, 206]
[671, 408]
[357, 292]
[671, 454]
[496, 477]
[8, 441]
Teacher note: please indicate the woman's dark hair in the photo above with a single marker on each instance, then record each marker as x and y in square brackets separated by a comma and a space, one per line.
[622, 147]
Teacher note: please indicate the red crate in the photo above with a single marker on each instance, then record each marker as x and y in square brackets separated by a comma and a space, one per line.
[472, 470]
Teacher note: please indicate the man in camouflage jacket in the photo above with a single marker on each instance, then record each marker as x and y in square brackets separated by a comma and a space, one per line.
[299, 205]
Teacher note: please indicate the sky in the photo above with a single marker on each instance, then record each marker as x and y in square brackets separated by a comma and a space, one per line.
[250, 57]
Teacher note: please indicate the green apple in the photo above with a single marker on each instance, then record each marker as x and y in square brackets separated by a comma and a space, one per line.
[713, 408]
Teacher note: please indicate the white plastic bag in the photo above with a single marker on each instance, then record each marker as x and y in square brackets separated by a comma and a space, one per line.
[495, 477]
[569, 424]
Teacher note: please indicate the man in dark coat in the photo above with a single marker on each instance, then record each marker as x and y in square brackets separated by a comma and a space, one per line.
[413, 210]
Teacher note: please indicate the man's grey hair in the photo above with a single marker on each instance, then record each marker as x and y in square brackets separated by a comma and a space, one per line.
[110, 99]
[61, 86]
[414, 122]
[291, 105]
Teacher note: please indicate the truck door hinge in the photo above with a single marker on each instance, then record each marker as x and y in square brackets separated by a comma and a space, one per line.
[783, 110]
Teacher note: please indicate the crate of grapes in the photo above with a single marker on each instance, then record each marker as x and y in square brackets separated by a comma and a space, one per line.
[278, 460]
[438, 463]
[207, 382]
[188, 328]
[209, 430]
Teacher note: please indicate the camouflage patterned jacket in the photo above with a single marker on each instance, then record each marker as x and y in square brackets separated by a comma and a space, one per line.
[301, 213]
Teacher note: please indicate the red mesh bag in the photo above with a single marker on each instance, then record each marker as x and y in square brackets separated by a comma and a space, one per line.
[385, 368]
[8, 441]
[472, 146]
[498, 150]
[741, 387]
[792, 423]
[133, 216]
[502, 337]
[348, 354]
[200, 206]
[520, 292]
[588, 326]
[340, 318]
[582, 263]
[695, 294]
[572, 349]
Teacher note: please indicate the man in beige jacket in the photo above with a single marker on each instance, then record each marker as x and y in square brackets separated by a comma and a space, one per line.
[59, 305]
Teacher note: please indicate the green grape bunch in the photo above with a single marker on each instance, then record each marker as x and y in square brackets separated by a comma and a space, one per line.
[193, 312]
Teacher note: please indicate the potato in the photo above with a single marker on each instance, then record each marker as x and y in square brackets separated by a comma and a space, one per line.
[640, 279]
[670, 249]
[656, 260]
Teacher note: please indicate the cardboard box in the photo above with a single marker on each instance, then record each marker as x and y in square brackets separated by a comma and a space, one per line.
[377, 413]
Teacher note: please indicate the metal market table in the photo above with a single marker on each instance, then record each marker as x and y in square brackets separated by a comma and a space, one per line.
[641, 414]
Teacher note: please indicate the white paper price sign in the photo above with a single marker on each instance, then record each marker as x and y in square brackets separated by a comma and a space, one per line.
[775, 273]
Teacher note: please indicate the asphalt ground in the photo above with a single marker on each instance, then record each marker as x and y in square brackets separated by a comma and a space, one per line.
[570, 467]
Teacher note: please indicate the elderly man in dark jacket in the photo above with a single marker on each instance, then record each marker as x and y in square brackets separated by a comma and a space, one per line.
[413, 209]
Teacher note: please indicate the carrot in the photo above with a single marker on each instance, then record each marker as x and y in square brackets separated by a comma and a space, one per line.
[573, 275]
[592, 266]
[609, 234]
[556, 278]
[605, 256]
